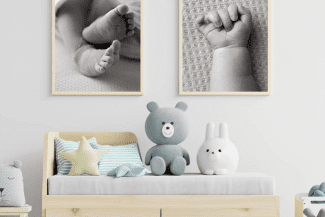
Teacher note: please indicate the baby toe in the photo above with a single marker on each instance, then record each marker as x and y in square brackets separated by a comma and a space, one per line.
[129, 33]
[116, 46]
[110, 60]
[131, 21]
[103, 64]
[131, 26]
[121, 10]
[109, 51]
[129, 15]
[99, 68]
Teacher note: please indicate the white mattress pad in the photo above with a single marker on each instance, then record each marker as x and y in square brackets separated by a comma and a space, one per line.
[186, 184]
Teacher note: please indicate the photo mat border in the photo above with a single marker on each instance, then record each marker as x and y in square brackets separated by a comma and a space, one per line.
[181, 92]
[140, 93]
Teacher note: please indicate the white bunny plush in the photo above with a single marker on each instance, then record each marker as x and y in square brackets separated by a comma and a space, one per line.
[217, 156]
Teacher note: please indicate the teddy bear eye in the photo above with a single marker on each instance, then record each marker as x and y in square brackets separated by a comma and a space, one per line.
[172, 123]
[207, 150]
[163, 123]
[219, 150]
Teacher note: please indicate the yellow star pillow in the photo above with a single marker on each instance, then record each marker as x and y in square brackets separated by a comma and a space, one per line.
[85, 159]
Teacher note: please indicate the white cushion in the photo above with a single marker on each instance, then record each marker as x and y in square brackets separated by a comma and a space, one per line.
[186, 184]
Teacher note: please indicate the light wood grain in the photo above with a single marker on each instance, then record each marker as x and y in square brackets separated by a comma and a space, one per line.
[48, 158]
[136, 212]
[219, 212]
[161, 201]
[103, 138]
[299, 208]
[14, 211]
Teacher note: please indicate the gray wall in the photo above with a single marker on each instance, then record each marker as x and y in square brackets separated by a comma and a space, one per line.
[281, 135]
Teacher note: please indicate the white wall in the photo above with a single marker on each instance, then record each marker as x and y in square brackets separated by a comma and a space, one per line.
[282, 135]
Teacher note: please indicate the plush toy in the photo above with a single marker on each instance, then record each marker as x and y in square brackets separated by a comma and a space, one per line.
[217, 156]
[11, 185]
[310, 213]
[316, 191]
[167, 127]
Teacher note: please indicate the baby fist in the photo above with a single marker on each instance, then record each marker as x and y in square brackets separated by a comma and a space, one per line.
[226, 27]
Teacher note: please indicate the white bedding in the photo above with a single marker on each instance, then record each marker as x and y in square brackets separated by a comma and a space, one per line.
[186, 184]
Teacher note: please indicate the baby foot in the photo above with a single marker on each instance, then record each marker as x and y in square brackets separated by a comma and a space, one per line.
[110, 57]
[115, 25]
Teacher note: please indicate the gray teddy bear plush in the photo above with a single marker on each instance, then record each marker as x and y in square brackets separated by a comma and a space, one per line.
[167, 127]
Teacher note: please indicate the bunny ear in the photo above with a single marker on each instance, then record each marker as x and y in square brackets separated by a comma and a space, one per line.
[209, 132]
[223, 131]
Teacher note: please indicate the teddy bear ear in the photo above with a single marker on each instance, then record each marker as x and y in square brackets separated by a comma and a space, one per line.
[182, 106]
[17, 163]
[152, 106]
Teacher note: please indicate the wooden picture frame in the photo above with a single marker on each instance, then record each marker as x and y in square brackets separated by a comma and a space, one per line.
[183, 82]
[139, 78]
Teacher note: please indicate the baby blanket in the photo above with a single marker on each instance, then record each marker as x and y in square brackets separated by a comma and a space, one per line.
[128, 170]
[197, 54]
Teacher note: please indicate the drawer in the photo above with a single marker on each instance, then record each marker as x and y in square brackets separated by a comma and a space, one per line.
[218, 212]
[80, 212]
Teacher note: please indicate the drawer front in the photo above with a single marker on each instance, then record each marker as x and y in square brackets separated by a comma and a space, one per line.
[219, 212]
[77, 212]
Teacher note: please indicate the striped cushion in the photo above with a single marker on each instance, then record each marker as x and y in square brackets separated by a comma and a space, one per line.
[63, 165]
[118, 155]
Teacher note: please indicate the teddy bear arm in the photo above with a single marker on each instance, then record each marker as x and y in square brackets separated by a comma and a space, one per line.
[148, 157]
[186, 156]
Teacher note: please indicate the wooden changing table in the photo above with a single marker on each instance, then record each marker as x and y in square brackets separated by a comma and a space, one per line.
[144, 205]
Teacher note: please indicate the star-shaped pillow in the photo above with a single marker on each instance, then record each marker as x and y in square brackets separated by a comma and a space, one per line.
[85, 159]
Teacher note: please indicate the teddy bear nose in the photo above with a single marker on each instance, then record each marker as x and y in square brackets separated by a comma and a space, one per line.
[167, 128]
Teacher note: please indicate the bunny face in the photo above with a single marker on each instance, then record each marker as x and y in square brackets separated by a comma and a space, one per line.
[214, 151]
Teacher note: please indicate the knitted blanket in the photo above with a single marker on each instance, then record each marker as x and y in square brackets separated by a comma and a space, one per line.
[197, 54]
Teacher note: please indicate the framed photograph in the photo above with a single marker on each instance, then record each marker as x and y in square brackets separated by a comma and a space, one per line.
[97, 47]
[224, 47]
